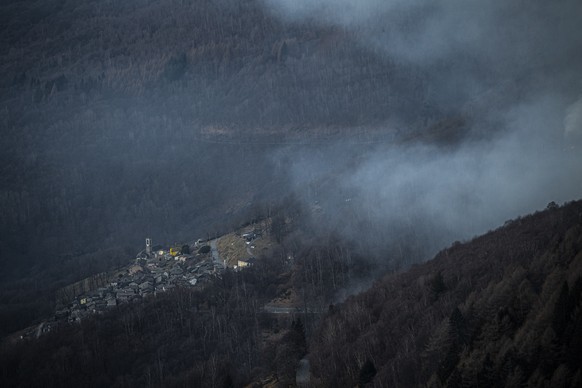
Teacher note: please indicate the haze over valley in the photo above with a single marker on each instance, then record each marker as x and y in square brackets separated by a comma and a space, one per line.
[359, 138]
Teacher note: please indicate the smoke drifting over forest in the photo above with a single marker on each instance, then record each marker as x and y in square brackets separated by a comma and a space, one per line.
[501, 33]
[359, 136]
[511, 70]
[402, 126]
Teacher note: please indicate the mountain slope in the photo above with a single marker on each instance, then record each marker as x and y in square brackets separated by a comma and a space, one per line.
[178, 119]
[125, 119]
[122, 120]
[503, 309]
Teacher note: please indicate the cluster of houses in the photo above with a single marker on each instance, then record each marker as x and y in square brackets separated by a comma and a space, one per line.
[156, 270]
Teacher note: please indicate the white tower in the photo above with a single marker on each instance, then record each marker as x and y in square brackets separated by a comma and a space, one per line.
[148, 246]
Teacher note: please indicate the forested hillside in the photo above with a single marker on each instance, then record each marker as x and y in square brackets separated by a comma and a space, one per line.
[212, 337]
[122, 120]
[501, 310]
[394, 128]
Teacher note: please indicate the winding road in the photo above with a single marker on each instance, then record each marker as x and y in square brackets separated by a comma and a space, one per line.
[291, 310]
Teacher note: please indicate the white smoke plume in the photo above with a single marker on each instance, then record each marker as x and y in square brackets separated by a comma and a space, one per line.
[515, 66]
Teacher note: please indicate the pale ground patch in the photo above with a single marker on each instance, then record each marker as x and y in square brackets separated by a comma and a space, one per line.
[232, 248]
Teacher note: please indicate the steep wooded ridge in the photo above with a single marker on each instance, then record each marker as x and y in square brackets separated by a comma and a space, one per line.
[502, 310]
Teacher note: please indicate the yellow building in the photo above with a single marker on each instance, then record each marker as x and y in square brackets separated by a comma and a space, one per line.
[246, 262]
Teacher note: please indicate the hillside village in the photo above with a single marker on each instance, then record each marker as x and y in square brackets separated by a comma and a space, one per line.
[156, 269]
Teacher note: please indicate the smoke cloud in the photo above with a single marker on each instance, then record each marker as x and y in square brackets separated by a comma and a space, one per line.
[511, 68]
[420, 30]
